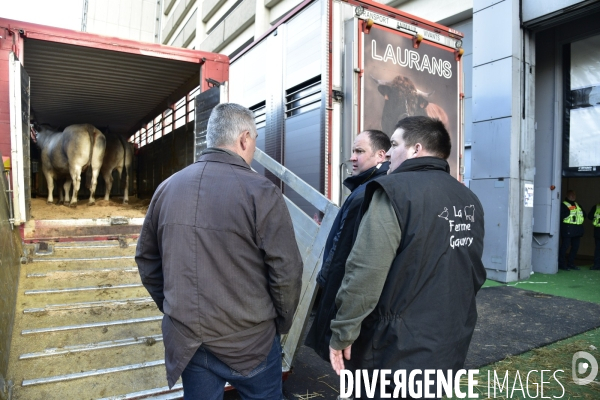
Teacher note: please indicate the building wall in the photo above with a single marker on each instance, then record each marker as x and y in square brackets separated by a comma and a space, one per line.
[179, 22]
[129, 19]
[222, 26]
[10, 253]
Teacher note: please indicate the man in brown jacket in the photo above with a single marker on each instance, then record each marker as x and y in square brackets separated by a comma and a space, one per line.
[218, 255]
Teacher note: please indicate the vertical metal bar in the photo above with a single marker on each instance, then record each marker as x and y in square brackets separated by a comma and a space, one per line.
[11, 216]
[186, 106]
[16, 129]
[172, 123]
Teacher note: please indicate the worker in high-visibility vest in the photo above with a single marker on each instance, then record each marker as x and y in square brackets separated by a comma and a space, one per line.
[594, 215]
[571, 231]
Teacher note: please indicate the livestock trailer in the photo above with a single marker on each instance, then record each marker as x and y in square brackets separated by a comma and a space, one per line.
[63, 77]
[330, 69]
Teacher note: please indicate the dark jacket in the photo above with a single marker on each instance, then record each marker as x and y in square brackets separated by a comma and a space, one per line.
[338, 246]
[591, 217]
[426, 314]
[218, 255]
[569, 230]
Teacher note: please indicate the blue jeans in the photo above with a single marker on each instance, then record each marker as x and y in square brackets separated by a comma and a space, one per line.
[205, 376]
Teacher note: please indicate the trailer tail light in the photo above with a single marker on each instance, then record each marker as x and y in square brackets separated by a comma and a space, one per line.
[417, 40]
[459, 53]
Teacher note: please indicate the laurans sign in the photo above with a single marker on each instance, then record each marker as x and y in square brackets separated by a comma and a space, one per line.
[401, 81]
[411, 59]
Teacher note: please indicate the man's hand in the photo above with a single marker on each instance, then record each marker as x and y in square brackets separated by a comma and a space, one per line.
[336, 358]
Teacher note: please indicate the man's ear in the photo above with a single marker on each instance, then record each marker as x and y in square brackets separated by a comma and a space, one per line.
[243, 139]
[380, 155]
[418, 149]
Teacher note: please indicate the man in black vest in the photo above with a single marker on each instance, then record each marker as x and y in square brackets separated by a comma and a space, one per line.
[407, 301]
[368, 163]
[571, 231]
[594, 215]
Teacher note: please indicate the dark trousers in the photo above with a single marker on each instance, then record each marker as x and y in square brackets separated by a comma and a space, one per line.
[205, 376]
[597, 253]
[573, 243]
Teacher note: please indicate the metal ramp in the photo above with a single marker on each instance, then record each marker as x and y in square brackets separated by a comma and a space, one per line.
[311, 238]
[85, 326]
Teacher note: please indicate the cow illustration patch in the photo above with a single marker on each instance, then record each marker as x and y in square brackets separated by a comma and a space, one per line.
[444, 214]
[470, 213]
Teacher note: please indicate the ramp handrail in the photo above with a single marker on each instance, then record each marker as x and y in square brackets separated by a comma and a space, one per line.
[309, 193]
[311, 238]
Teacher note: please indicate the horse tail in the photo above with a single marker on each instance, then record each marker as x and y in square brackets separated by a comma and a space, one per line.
[124, 170]
[88, 176]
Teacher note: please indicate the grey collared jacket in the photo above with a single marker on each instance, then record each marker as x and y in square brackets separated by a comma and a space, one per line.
[218, 255]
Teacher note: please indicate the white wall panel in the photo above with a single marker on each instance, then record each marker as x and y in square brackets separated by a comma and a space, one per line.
[491, 151]
[303, 46]
[247, 77]
[492, 90]
[493, 22]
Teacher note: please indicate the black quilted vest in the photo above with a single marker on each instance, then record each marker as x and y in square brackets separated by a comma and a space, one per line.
[426, 313]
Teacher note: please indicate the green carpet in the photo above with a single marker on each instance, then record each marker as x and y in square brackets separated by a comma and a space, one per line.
[580, 285]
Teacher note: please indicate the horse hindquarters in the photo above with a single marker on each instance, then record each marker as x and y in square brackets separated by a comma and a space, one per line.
[88, 151]
[49, 182]
[128, 149]
[99, 147]
[126, 172]
[108, 181]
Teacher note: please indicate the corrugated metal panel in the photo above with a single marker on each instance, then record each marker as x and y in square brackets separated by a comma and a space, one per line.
[303, 155]
[75, 84]
[163, 157]
[204, 104]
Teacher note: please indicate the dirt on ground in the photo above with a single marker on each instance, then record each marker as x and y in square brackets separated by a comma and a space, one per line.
[102, 209]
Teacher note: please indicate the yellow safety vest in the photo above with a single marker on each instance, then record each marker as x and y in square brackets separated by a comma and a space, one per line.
[596, 221]
[576, 214]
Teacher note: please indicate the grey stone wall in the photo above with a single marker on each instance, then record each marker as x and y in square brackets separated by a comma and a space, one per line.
[10, 253]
